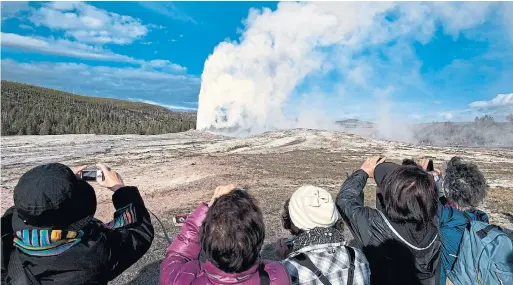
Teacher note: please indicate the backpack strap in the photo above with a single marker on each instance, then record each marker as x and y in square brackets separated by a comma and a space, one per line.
[24, 272]
[350, 275]
[484, 232]
[467, 217]
[304, 261]
[264, 276]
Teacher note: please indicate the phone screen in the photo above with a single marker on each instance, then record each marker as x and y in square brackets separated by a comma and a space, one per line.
[89, 175]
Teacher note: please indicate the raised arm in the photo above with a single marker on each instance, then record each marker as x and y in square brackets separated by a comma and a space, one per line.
[185, 247]
[350, 202]
[131, 231]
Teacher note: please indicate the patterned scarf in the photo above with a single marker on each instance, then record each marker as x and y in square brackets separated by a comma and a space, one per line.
[44, 242]
[49, 242]
[317, 236]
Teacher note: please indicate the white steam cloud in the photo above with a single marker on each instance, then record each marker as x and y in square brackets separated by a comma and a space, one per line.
[286, 53]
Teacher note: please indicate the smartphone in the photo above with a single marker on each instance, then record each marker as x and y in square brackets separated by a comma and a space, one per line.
[92, 175]
[179, 219]
[430, 166]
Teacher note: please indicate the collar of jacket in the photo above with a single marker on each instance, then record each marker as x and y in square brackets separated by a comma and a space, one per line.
[220, 276]
[46, 242]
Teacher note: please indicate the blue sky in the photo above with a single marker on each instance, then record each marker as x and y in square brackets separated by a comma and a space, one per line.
[156, 51]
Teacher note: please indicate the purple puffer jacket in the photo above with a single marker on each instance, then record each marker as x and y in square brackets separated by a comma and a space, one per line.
[181, 265]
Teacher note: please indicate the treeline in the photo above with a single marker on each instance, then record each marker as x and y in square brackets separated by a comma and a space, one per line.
[484, 131]
[32, 110]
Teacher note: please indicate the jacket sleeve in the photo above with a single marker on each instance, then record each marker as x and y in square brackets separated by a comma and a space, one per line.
[131, 232]
[350, 204]
[185, 247]
[7, 242]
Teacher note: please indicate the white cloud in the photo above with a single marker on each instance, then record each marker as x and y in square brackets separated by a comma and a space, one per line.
[172, 107]
[78, 50]
[500, 100]
[13, 9]
[446, 115]
[168, 9]
[26, 27]
[126, 82]
[156, 27]
[89, 24]
[457, 17]
[61, 47]
[165, 65]
[281, 53]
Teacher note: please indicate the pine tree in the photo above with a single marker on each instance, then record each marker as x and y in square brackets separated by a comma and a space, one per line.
[45, 128]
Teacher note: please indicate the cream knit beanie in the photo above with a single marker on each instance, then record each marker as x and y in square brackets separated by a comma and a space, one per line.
[311, 207]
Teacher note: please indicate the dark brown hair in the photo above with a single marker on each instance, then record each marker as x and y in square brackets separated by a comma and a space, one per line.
[233, 232]
[410, 195]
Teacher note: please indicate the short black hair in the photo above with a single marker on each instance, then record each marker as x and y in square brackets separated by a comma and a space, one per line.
[408, 161]
[233, 232]
[464, 184]
[410, 196]
[287, 223]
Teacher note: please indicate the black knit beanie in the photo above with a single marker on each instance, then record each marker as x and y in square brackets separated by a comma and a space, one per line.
[52, 196]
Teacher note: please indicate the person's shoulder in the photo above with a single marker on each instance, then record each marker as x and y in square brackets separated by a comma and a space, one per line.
[188, 273]
[276, 270]
[359, 255]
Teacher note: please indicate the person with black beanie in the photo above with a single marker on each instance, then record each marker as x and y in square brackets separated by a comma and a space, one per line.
[50, 235]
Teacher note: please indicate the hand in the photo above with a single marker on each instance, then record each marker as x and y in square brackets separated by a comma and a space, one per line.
[436, 173]
[424, 163]
[112, 179]
[282, 250]
[222, 190]
[78, 170]
[370, 164]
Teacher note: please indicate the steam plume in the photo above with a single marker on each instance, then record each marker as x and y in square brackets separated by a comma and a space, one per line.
[246, 85]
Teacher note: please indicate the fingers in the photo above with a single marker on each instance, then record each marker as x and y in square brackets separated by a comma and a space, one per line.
[76, 170]
[119, 178]
[383, 159]
[103, 168]
[222, 190]
[371, 160]
[112, 179]
[424, 163]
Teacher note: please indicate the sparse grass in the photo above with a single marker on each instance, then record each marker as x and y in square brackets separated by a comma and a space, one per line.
[500, 200]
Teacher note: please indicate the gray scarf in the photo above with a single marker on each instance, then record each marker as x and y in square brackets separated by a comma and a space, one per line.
[317, 236]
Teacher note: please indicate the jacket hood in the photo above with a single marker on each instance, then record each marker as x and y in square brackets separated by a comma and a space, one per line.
[424, 246]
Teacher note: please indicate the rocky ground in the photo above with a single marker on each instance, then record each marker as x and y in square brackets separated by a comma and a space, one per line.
[175, 172]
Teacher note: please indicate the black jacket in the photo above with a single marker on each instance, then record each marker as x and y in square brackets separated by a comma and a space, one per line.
[102, 252]
[391, 259]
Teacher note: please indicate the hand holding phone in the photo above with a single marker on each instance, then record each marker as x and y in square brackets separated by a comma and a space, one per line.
[111, 179]
[92, 175]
